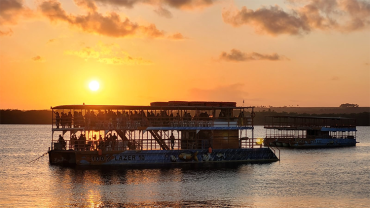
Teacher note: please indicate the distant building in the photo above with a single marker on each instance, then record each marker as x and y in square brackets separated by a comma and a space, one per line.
[348, 105]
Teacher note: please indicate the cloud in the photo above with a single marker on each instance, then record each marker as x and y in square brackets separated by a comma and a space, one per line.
[163, 12]
[86, 53]
[123, 3]
[86, 4]
[9, 10]
[338, 15]
[334, 78]
[176, 36]
[188, 4]
[6, 33]
[108, 54]
[271, 20]
[359, 14]
[52, 40]
[232, 93]
[53, 10]
[38, 59]
[238, 56]
[94, 22]
[160, 4]
[178, 4]
[127, 60]
[152, 31]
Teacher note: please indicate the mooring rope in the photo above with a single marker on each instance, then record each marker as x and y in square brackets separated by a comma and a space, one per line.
[39, 157]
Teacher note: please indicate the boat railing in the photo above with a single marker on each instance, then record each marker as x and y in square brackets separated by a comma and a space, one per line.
[139, 144]
[144, 122]
[94, 145]
[271, 136]
[246, 142]
[302, 126]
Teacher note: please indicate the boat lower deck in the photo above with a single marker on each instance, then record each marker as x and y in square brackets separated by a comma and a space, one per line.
[160, 157]
[302, 143]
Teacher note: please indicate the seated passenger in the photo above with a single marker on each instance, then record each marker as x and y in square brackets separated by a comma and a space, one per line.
[62, 142]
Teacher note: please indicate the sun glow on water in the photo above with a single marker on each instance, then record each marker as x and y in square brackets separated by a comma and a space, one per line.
[94, 85]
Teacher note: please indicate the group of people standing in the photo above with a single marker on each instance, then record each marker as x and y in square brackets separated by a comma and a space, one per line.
[63, 120]
[112, 119]
[82, 144]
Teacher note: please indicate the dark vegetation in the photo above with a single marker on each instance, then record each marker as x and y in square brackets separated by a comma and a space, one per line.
[44, 116]
[25, 117]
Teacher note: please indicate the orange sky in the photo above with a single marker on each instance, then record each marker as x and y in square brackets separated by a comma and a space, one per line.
[266, 52]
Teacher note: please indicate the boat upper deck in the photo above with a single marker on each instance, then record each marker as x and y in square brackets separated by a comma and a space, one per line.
[309, 123]
[173, 115]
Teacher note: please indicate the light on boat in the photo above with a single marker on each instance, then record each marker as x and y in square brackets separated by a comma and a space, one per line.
[259, 141]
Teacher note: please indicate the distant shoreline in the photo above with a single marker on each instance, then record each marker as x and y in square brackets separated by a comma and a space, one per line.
[315, 110]
[25, 117]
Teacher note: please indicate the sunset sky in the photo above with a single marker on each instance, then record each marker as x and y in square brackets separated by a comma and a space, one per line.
[265, 52]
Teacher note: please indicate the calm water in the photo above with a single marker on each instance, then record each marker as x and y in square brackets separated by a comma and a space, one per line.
[303, 178]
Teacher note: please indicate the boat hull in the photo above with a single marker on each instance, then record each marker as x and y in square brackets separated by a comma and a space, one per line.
[314, 143]
[325, 143]
[161, 157]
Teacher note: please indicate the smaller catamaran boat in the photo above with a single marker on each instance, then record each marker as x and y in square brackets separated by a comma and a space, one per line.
[310, 132]
[164, 133]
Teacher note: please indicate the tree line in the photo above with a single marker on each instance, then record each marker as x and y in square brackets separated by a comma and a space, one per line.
[45, 116]
[25, 117]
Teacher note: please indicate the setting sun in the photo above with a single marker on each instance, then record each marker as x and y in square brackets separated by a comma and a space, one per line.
[94, 85]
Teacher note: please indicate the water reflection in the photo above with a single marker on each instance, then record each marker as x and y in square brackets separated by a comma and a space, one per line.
[170, 187]
[303, 178]
[209, 203]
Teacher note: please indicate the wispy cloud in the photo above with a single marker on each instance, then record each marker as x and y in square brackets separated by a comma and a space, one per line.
[188, 4]
[163, 12]
[6, 33]
[108, 54]
[11, 12]
[87, 4]
[239, 56]
[7, 10]
[38, 59]
[306, 16]
[176, 36]
[177, 4]
[161, 5]
[127, 60]
[53, 40]
[334, 78]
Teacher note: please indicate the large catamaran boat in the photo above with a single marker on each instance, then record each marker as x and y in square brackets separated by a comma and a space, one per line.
[309, 131]
[164, 133]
